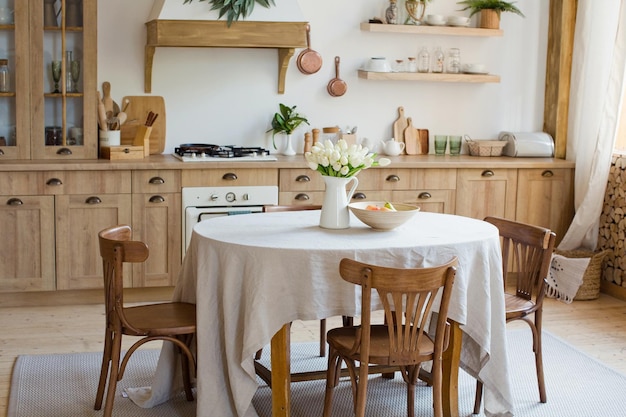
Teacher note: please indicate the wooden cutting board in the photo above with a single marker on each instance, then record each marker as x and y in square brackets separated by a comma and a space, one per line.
[411, 139]
[399, 126]
[137, 111]
[423, 140]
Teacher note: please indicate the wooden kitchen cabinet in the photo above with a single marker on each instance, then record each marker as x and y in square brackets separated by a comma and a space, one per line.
[33, 103]
[228, 177]
[545, 197]
[483, 192]
[156, 220]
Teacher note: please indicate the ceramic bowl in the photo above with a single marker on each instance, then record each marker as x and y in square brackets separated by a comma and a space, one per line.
[383, 220]
[435, 19]
[378, 64]
[458, 20]
[475, 68]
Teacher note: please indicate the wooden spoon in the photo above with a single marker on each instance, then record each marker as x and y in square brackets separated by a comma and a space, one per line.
[106, 96]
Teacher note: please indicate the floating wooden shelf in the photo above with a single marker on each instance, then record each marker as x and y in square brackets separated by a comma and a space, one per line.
[429, 76]
[430, 30]
[283, 36]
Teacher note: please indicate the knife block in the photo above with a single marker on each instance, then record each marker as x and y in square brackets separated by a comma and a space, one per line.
[142, 138]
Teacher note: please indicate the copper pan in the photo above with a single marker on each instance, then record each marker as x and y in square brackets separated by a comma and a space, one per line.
[309, 61]
[337, 87]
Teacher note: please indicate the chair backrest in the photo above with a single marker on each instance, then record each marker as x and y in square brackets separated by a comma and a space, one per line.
[115, 249]
[526, 254]
[407, 296]
[294, 207]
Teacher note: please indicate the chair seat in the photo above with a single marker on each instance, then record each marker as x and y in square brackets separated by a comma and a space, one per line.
[342, 339]
[163, 319]
[517, 306]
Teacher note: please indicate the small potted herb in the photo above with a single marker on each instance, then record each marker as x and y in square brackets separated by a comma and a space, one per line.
[490, 11]
[235, 9]
[286, 121]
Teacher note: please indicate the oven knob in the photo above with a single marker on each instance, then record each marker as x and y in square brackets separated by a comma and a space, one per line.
[230, 197]
[245, 197]
[214, 197]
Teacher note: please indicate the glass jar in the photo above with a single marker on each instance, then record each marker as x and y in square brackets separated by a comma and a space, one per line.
[4, 75]
[412, 64]
[438, 59]
[423, 60]
[454, 61]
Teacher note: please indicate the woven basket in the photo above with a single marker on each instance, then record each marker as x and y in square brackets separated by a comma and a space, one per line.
[590, 288]
[486, 147]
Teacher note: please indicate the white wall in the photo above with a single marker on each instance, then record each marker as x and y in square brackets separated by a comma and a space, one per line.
[228, 96]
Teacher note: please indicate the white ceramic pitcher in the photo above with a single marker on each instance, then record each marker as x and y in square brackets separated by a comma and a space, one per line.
[335, 212]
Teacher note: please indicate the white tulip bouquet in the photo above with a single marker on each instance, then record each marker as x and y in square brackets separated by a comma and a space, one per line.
[341, 159]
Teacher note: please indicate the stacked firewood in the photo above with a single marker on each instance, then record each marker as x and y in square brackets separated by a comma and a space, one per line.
[612, 231]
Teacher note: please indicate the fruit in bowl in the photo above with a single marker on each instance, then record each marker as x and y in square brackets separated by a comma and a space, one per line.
[383, 215]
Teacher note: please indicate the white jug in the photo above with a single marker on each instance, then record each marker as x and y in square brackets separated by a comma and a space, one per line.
[392, 147]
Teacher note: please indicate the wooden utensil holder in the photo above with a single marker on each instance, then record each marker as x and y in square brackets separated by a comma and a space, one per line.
[142, 138]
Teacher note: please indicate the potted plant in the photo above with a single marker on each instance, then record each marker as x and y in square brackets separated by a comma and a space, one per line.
[286, 121]
[490, 11]
[235, 9]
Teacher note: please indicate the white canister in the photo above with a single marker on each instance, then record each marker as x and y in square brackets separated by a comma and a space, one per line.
[110, 138]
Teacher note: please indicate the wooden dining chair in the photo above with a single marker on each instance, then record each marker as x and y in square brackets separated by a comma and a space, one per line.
[526, 255]
[174, 321]
[404, 341]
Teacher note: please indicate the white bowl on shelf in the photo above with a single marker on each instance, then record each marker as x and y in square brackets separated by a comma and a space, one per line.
[475, 68]
[458, 21]
[436, 19]
[383, 220]
[377, 64]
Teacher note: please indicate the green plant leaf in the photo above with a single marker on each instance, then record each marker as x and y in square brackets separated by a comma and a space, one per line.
[235, 9]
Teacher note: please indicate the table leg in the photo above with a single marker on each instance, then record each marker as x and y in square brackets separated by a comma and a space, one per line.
[281, 372]
[451, 361]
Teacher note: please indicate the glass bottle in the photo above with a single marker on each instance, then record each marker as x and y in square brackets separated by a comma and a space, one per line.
[454, 61]
[69, 83]
[412, 65]
[4, 75]
[438, 59]
[423, 60]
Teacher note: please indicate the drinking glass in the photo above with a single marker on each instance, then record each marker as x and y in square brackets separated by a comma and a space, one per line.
[455, 145]
[56, 75]
[75, 71]
[441, 142]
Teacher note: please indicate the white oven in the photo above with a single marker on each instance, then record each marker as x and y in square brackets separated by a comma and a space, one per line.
[201, 203]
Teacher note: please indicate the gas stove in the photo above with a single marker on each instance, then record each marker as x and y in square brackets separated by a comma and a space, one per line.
[200, 152]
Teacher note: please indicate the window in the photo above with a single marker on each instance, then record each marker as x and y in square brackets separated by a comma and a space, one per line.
[620, 142]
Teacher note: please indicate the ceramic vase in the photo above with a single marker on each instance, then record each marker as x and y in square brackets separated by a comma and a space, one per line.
[287, 148]
[335, 213]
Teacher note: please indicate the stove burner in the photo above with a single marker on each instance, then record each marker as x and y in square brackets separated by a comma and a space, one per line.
[228, 151]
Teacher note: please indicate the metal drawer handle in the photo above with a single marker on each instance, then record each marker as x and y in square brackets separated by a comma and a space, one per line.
[393, 178]
[64, 151]
[1, 152]
[54, 181]
[229, 176]
[14, 202]
[303, 178]
[93, 200]
[487, 173]
[424, 196]
[157, 199]
[359, 196]
[547, 174]
[302, 197]
[156, 180]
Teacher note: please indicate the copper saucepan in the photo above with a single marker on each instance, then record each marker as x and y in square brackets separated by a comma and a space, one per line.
[337, 87]
[309, 61]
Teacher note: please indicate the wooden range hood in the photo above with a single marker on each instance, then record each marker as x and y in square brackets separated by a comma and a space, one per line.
[283, 36]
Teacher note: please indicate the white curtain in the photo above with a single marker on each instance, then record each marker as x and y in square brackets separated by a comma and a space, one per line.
[598, 71]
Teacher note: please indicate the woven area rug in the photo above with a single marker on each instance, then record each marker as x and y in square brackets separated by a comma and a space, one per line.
[577, 385]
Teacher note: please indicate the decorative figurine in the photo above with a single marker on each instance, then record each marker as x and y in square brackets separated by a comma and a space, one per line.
[391, 14]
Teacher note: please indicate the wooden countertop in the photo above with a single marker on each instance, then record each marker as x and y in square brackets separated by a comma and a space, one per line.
[170, 162]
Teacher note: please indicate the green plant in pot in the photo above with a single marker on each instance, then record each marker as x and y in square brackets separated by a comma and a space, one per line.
[235, 9]
[285, 122]
[490, 11]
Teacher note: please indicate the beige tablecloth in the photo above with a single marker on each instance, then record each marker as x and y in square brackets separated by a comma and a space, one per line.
[251, 274]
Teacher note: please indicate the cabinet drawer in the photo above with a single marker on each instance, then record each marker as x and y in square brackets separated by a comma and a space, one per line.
[301, 180]
[407, 179]
[156, 181]
[65, 182]
[228, 177]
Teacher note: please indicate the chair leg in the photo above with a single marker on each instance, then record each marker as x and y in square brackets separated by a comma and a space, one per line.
[479, 397]
[331, 380]
[184, 362]
[322, 338]
[539, 357]
[258, 354]
[113, 377]
[104, 369]
[410, 400]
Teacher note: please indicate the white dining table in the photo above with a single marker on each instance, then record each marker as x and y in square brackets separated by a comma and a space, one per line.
[250, 275]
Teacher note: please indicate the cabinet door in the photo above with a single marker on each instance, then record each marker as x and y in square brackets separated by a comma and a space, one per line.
[79, 220]
[432, 201]
[27, 244]
[14, 103]
[157, 222]
[486, 192]
[61, 110]
[545, 197]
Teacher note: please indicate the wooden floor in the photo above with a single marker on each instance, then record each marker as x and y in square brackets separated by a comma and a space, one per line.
[597, 327]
